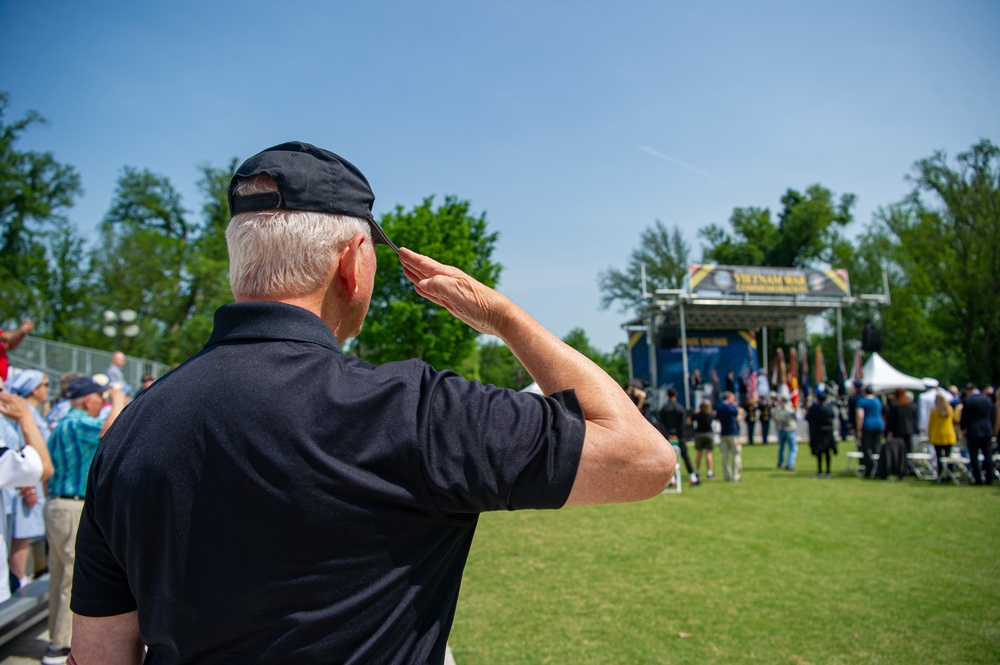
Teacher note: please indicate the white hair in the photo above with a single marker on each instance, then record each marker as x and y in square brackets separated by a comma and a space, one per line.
[282, 253]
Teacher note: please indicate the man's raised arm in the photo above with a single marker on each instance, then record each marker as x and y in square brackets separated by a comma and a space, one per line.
[624, 457]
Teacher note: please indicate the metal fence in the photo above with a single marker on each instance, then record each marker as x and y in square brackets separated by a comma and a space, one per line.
[57, 358]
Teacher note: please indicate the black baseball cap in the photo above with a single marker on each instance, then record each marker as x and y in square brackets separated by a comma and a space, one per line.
[82, 386]
[308, 178]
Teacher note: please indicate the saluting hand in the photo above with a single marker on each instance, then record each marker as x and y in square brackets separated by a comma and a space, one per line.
[467, 299]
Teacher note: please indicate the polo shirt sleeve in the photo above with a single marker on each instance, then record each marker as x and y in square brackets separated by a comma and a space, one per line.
[100, 584]
[486, 448]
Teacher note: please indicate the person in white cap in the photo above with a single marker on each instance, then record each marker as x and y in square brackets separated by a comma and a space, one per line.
[925, 403]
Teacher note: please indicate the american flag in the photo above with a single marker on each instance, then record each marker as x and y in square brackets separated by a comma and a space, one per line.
[857, 369]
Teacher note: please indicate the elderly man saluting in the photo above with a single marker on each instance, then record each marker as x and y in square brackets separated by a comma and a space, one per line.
[377, 475]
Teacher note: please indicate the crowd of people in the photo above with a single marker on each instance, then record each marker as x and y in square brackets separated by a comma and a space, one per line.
[885, 427]
[43, 502]
[958, 423]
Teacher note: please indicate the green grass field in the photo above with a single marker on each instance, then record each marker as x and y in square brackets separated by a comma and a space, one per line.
[780, 568]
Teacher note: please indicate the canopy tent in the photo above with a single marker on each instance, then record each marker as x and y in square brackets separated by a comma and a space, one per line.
[532, 388]
[883, 377]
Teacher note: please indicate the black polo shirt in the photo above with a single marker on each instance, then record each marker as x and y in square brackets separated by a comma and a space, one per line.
[274, 500]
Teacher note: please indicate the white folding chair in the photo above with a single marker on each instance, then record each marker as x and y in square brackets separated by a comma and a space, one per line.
[678, 475]
[854, 459]
[923, 465]
[956, 467]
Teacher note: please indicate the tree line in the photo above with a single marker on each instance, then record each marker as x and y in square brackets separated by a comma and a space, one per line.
[939, 247]
[170, 265]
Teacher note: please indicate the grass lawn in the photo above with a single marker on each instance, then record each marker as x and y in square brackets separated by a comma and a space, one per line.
[780, 568]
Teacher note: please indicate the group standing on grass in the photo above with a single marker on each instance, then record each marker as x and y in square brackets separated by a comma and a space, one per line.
[707, 423]
[885, 431]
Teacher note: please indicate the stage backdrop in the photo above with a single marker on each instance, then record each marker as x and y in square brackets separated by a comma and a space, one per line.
[721, 350]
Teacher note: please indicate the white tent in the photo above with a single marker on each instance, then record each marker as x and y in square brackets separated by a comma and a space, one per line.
[532, 388]
[883, 377]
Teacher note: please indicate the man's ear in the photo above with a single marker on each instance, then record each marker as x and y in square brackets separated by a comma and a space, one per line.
[349, 268]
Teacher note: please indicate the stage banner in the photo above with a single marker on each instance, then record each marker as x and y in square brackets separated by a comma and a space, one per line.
[723, 351]
[709, 279]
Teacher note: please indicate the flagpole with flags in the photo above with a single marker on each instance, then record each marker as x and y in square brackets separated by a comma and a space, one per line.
[793, 376]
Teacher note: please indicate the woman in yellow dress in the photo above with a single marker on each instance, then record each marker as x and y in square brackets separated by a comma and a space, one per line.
[941, 429]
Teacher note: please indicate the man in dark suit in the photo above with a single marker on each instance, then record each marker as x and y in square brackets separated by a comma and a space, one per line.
[977, 425]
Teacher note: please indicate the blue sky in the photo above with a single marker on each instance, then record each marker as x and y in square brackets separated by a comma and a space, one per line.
[573, 125]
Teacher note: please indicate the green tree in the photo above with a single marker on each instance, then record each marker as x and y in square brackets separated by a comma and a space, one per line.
[754, 234]
[68, 294]
[168, 268]
[807, 232]
[499, 367]
[400, 323]
[35, 192]
[665, 256]
[912, 338]
[614, 363]
[948, 232]
[209, 261]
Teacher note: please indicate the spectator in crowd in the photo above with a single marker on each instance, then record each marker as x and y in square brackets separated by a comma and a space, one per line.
[673, 417]
[731, 382]
[996, 417]
[852, 407]
[73, 444]
[750, 416]
[19, 468]
[635, 389]
[787, 422]
[941, 430]
[978, 426]
[61, 406]
[869, 422]
[900, 419]
[925, 402]
[765, 418]
[116, 377]
[713, 387]
[27, 502]
[147, 381]
[10, 340]
[820, 417]
[704, 437]
[959, 408]
[729, 415]
[696, 385]
[378, 474]
[954, 396]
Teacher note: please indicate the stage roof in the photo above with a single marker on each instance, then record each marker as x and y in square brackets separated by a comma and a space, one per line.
[744, 313]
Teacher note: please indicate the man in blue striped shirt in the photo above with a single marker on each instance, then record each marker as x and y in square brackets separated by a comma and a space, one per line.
[72, 445]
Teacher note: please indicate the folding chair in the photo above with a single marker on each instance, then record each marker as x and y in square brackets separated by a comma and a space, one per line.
[956, 468]
[923, 464]
[854, 458]
[874, 472]
[678, 475]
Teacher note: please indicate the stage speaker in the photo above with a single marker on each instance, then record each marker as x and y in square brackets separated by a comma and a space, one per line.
[668, 335]
[871, 338]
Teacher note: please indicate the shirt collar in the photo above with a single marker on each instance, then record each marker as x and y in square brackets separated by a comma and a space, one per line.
[269, 321]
